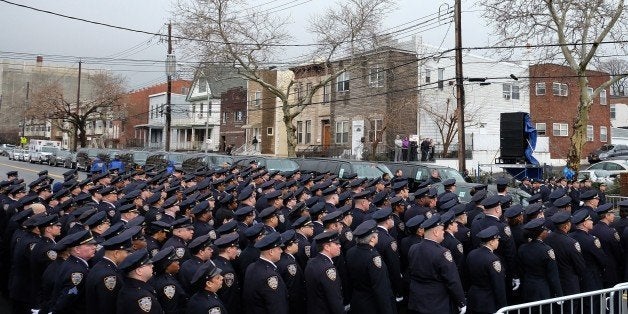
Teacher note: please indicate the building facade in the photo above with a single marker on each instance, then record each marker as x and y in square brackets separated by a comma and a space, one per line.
[233, 118]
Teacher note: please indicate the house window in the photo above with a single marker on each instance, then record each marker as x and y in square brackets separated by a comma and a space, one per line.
[342, 132]
[541, 129]
[559, 89]
[589, 133]
[308, 131]
[441, 76]
[375, 131]
[540, 89]
[239, 116]
[428, 75]
[200, 111]
[560, 129]
[342, 82]
[603, 134]
[298, 90]
[224, 117]
[326, 93]
[258, 98]
[376, 76]
[510, 91]
[161, 110]
[613, 112]
[590, 91]
[193, 109]
[202, 85]
[603, 97]
[300, 132]
[269, 131]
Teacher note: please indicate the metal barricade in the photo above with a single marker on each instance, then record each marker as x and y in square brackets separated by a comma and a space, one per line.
[612, 301]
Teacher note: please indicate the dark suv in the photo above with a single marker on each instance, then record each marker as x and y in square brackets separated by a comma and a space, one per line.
[417, 172]
[342, 167]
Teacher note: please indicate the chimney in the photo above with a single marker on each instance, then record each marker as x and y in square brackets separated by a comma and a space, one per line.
[40, 60]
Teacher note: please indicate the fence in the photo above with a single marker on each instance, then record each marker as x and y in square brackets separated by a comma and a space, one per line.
[612, 300]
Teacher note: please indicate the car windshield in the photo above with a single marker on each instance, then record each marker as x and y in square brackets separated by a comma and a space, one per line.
[140, 156]
[449, 173]
[49, 149]
[370, 170]
[281, 164]
[63, 153]
[216, 160]
[177, 158]
[92, 152]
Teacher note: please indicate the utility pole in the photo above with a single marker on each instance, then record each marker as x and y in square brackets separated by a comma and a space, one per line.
[169, 92]
[28, 87]
[460, 87]
[78, 107]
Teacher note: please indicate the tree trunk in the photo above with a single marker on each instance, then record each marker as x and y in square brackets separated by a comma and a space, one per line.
[578, 139]
[291, 135]
[82, 137]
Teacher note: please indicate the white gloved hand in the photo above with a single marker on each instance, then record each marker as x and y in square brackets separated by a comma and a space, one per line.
[560, 302]
[516, 282]
[462, 309]
[399, 299]
[347, 307]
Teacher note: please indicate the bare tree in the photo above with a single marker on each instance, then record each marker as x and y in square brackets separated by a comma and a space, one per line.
[51, 103]
[225, 32]
[616, 67]
[445, 117]
[573, 30]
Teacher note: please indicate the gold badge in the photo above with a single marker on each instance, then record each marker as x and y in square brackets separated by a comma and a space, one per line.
[349, 235]
[577, 245]
[273, 282]
[507, 231]
[331, 273]
[551, 254]
[460, 248]
[110, 282]
[393, 245]
[497, 266]
[169, 291]
[229, 279]
[214, 310]
[51, 255]
[145, 304]
[597, 243]
[377, 260]
[180, 252]
[292, 269]
[448, 256]
[76, 278]
[617, 236]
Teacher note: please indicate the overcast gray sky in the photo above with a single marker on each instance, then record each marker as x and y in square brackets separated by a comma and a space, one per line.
[62, 40]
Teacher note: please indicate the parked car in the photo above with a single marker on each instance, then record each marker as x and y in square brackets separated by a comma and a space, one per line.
[598, 176]
[417, 172]
[210, 160]
[608, 151]
[463, 190]
[5, 149]
[271, 163]
[16, 154]
[342, 167]
[44, 154]
[139, 158]
[613, 167]
[85, 157]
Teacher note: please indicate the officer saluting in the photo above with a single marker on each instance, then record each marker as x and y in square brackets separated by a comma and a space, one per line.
[487, 293]
[264, 290]
[435, 285]
[371, 286]
[137, 296]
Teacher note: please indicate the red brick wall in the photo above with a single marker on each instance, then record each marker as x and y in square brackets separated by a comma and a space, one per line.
[551, 109]
[231, 102]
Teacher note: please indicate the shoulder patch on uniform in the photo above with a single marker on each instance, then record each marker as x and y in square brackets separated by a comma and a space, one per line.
[448, 256]
[597, 243]
[282, 219]
[349, 235]
[214, 310]
[393, 245]
[212, 234]
[507, 231]
[292, 269]
[158, 217]
[402, 227]
[154, 252]
[307, 250]
[229, 278]
[169, 291]
[76, 278]
[497, 266]
[550, 252]
[273, 282]
[110, 282]
[52, 255]
[617, 236]
[98, 247]
[111, 213]
[577, 245]
[377, 260]
[468, 234]
[428, 215]
[145, 303]
[460, 248]
[331, 273]
[180, 252]
[32, 246]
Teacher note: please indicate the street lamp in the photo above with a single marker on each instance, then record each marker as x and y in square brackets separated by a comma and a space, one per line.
[170, 71]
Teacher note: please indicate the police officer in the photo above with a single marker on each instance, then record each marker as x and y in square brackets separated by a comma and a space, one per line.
[450, 242]
[304, 231]
[372, 292]
[324, 289]
[251, 253]
[230, 293]
[291, 272]
[387, 247]
[202, 216]
[538, 265]
[264, 289]
[487, 291]
[611, 244]
[42, 255]
[201, 250]
[594, 256]
[206, 281]
[60, 252]
[104, 281]
[169, 292]
[435, 285]
[136, 295]
[182, 233]
[156, 234]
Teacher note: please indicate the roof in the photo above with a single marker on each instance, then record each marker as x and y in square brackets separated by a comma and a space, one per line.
[220, 79]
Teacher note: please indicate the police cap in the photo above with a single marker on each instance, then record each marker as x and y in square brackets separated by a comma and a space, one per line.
[561, 217]
[432, 222]
[135, 260]
[227, 240]
[365, 228]
[269, 241]
[488, 234]
[514, 211]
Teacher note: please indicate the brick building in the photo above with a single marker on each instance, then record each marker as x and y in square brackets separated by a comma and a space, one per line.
[554, 99]
[137, 112]
[232, 117]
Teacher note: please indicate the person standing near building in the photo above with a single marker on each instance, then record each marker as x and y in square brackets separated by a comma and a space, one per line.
[398, 147]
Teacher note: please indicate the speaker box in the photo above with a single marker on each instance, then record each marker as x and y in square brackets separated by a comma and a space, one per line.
[512, 140]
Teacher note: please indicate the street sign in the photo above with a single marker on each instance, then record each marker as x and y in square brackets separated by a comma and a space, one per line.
[23, 140]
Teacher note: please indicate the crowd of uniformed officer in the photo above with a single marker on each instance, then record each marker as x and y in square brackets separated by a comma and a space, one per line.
[249, 240]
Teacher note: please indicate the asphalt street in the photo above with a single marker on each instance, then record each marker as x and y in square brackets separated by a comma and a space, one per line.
[28, 171]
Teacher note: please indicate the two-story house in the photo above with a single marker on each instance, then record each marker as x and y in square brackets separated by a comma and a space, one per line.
[233, 118]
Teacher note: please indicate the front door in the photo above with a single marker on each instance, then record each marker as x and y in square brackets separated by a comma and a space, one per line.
[326, 135]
